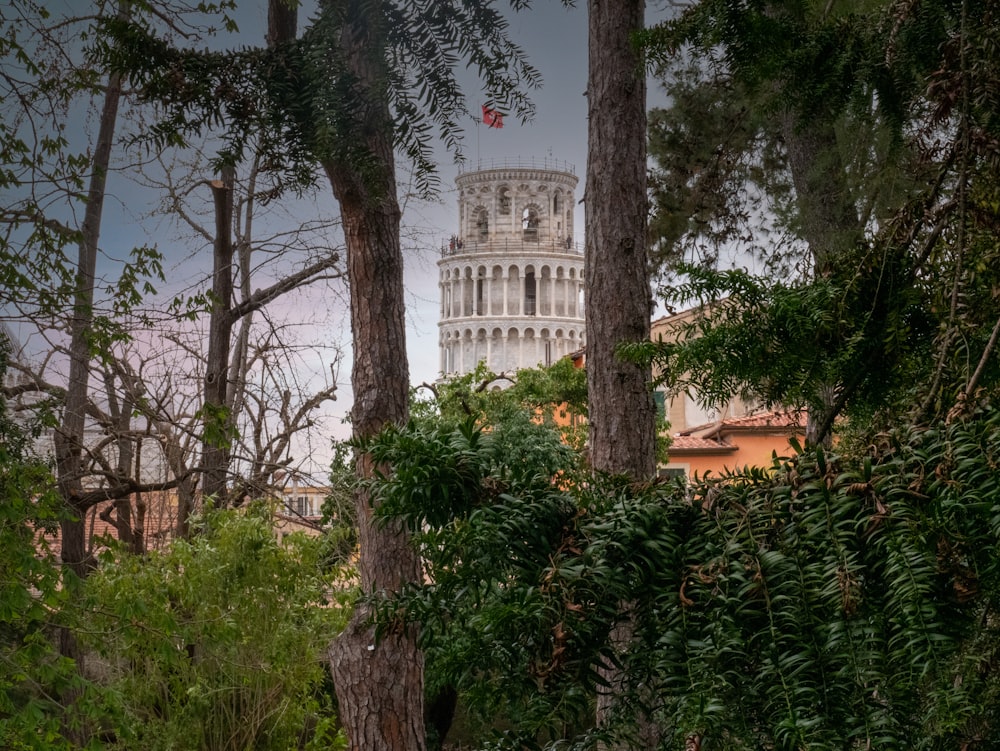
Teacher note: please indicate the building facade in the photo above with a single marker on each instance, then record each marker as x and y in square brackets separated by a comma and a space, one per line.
[716, 438]
[511, 278]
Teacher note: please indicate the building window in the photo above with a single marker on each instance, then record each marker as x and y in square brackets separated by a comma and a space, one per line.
[529, 222]
[676, 471]
[300, 505]
[660, 398]
[529, 293]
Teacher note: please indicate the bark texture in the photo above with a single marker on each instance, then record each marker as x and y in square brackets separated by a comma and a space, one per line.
[619, 302]
[215, 452]
[621, 410]
[379, 681]
[829, 223]
[378, 677]
[828, 220]
[69, 435]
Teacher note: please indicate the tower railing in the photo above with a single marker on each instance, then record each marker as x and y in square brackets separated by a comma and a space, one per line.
[518, 162]
[458, 246]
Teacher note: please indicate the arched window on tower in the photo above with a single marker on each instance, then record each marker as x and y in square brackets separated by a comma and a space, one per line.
[529, 223]
[529, 293]
[504, 200]
[482, 223]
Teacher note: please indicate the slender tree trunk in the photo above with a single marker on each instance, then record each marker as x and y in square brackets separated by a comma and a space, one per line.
[69, 436]
[119, 513]
[238, 360]
[215, 450]
[622, 414]
[619, 302]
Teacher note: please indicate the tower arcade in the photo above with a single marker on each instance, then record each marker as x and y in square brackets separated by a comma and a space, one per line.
[511, 278]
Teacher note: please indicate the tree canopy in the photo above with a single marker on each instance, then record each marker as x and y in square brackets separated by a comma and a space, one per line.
[826, 601]
[852, 149]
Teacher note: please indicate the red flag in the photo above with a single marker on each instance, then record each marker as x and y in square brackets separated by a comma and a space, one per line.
[492, 118]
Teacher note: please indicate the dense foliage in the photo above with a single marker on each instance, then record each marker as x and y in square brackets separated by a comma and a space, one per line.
[41, 694]
[218, 642]
[824, 602]
[301, 102]
[542, 409]
[849, 149]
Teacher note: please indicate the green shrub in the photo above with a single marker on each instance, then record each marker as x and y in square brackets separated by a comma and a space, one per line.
[217, 642]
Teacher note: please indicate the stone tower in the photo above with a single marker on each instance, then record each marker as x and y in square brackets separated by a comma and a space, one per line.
[511, 279]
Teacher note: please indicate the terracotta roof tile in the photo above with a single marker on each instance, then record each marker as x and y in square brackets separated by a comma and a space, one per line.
[789, 421]
[681, 443]
[796, 419]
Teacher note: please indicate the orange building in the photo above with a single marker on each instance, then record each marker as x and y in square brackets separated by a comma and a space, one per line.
[719, 437]
[733, 443]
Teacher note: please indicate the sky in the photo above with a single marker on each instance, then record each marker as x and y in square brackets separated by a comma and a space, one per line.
[554, 39]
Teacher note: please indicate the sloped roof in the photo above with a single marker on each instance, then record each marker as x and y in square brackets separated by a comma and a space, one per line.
[784, 422]
[683, 443]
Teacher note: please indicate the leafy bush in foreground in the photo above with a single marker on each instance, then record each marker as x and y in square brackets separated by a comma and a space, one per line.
[218, 642]
[824, 602]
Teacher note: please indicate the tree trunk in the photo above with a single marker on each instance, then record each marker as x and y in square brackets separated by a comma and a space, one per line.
[621, 410]
[622, 414]
[828, 221]
[379, 681]
[217, 421]
[69, 435]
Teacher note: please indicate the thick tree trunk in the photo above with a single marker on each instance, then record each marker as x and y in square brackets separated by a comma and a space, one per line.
[379, 681]
[828, 220]
[619, 302]
[621, 410]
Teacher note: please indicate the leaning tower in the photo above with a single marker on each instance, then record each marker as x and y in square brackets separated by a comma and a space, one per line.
[512, 277]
